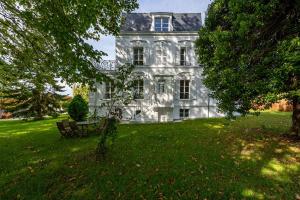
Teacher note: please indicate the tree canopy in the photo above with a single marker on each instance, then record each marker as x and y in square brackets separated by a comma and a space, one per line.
[54, 35]
[250, 51]
[41, 41]
[34, 97]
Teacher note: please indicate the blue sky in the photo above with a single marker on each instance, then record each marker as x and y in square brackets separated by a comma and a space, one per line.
[107, 43]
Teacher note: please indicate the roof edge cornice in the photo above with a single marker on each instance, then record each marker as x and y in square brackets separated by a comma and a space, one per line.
[193, 33]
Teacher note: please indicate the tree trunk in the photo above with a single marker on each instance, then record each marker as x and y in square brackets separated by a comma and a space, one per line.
[296, 116]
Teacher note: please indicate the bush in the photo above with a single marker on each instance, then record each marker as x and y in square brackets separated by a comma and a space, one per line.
[78, 108]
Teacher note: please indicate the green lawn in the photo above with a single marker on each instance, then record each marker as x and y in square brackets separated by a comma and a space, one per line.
[207, 158]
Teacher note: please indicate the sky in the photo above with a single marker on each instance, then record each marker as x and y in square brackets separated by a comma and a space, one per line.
[107, 43]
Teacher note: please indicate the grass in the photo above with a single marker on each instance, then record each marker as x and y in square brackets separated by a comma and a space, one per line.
[206, 158]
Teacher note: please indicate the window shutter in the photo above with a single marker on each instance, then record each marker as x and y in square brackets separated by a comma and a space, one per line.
[100, 90]
[156, 55]
[177, 89]
[167, 51]
[177, 55]
[189, 55]
[146, 55]
[193, 89]
[156, 86]
[130, 56]
[146, 89]
[151, 87]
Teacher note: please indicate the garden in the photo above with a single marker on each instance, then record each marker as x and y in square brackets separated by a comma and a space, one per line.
[195, 159]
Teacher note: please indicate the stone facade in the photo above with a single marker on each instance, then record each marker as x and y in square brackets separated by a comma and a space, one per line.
[166, 63]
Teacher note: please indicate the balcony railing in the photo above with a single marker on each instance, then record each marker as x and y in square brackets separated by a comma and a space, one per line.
[106, 65]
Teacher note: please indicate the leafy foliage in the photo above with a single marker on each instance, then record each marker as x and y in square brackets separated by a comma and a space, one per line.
[122, 81]
[35, 97]
[78, 109]
[82, 90]
[53, 35]
[251, 53]
[41, 41]
[65, 103]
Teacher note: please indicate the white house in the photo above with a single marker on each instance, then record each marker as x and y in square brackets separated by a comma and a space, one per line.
[161, 45]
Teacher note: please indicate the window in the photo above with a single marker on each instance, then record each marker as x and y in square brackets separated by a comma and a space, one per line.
[138, 112]
[138, 89]
[161, 24]
[184, 89]
[183, 56]
[161, 53]
[161, 86]
[109, 89]
[138, 56]
[184, 113]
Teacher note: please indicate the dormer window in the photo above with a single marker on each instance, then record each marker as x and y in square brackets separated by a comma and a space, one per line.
[161, 24]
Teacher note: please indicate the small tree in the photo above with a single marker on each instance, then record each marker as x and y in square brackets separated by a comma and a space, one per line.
[122, 82]
[78, 108]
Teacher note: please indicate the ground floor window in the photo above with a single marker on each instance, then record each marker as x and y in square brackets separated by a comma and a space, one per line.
[137, 114]
[184, 113]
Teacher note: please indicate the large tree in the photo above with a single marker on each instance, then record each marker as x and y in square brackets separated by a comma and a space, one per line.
[34, 97]
[54, 34]
[41, 41]
[250, 51]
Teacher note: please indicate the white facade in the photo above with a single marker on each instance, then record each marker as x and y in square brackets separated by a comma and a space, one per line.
[171, 77]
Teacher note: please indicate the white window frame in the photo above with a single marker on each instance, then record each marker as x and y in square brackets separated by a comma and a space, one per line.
[183, 56]
[139, 55]
[162, 23]
[184, 90]
[138, 89]
[184, 113]
[161, 15]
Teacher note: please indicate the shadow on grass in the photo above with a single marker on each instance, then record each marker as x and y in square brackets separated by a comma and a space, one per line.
[207, 158]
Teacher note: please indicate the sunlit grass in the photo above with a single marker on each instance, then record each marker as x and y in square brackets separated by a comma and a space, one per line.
[195, 159]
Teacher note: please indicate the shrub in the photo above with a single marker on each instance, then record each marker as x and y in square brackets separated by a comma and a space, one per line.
[78, 108]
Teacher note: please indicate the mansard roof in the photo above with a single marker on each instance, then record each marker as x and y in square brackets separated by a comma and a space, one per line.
[181, 22]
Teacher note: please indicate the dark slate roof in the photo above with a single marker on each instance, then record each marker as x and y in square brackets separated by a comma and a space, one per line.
[141, 22]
